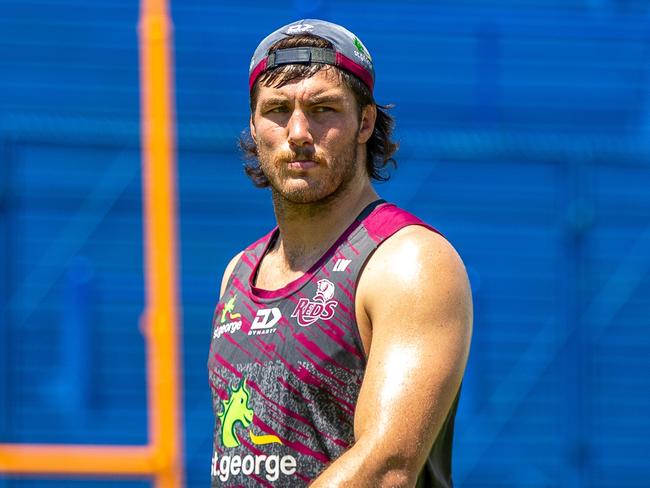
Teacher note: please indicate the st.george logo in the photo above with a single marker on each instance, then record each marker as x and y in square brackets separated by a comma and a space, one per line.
[238, 412]
[230, 320]
[321, 307]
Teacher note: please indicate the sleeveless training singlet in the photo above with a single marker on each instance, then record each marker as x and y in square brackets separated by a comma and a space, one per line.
[286, 366]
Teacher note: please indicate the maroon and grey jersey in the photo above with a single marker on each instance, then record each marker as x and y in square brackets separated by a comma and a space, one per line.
[286, 366]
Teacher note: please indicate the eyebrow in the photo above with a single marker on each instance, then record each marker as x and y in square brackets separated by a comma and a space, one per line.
[315, 100]
[318, 99]
[274, 101]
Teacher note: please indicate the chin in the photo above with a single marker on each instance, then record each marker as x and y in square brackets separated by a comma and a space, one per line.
[303, 197]
[304, 194]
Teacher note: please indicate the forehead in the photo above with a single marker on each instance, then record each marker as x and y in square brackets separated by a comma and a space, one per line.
[323, 81]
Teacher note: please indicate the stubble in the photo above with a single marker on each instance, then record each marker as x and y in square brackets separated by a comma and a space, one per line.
[313, 191]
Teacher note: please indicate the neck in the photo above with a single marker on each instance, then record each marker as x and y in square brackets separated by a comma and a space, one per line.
[307, 230]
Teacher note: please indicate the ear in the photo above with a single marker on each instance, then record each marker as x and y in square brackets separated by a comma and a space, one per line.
[367, 126]
[252, 128]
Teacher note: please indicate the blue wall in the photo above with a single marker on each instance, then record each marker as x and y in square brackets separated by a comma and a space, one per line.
[524, 138]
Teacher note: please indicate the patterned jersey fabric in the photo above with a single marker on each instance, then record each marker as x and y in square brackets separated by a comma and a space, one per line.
[285, 366]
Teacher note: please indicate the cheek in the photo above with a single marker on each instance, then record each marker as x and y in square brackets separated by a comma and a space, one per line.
[265, 127]
[335, 137]
[346, 130]
[266, 140]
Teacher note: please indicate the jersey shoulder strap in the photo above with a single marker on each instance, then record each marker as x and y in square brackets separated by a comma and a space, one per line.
[386, 219]
[247, 262]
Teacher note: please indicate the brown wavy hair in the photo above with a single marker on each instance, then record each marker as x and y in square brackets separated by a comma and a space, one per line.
[379, 148]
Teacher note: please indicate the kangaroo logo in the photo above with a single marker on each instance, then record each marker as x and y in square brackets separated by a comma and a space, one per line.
[230, 321]
[229, 308]
[236, 410]
[361, 48]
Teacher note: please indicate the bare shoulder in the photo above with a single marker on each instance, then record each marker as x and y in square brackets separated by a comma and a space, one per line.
[416, 273]
[418, 322]
[228, 271]
[416, 244]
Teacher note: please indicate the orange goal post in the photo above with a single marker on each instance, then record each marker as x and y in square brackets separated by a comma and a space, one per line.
[161, 459]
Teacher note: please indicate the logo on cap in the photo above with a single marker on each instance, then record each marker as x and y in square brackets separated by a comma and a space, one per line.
[361, 48]
[299, 29]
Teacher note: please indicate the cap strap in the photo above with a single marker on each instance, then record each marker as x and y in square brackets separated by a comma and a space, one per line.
[305, 55]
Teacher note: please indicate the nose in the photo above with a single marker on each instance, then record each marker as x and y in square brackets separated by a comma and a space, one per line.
[298, 129]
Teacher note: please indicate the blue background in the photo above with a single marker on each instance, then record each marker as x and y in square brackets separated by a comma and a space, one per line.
[524, 129]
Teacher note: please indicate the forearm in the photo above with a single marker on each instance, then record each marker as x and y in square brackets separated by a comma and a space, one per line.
[367, 466]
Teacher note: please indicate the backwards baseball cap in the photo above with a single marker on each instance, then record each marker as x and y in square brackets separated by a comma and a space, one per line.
[348, 53]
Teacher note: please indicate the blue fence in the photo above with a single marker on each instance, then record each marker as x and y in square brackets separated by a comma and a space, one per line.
[524, 139]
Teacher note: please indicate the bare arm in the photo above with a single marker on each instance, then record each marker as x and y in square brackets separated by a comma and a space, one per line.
[226, 274]
[416, 297]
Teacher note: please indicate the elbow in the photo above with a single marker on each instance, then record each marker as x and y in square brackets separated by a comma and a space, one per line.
[397, 477]
[398, 472]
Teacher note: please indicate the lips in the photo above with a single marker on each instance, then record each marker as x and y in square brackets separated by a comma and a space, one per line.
[302, 165]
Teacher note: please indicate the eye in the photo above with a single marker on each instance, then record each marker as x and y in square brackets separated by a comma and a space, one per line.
[322, 108]
[241, 400]
[277, 110]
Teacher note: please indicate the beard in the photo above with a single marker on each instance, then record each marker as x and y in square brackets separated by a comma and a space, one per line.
[321, 184]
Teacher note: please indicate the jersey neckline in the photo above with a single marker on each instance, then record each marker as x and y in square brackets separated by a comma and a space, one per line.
[296, 284]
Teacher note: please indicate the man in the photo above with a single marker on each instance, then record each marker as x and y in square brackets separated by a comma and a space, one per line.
[341, 337]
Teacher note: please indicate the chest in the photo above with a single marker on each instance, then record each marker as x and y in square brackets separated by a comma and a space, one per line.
[317, 323]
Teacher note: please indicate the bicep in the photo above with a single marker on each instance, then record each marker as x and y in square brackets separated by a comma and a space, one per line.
[417, 298]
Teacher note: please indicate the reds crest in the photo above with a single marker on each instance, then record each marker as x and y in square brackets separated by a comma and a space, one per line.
[321, 307]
